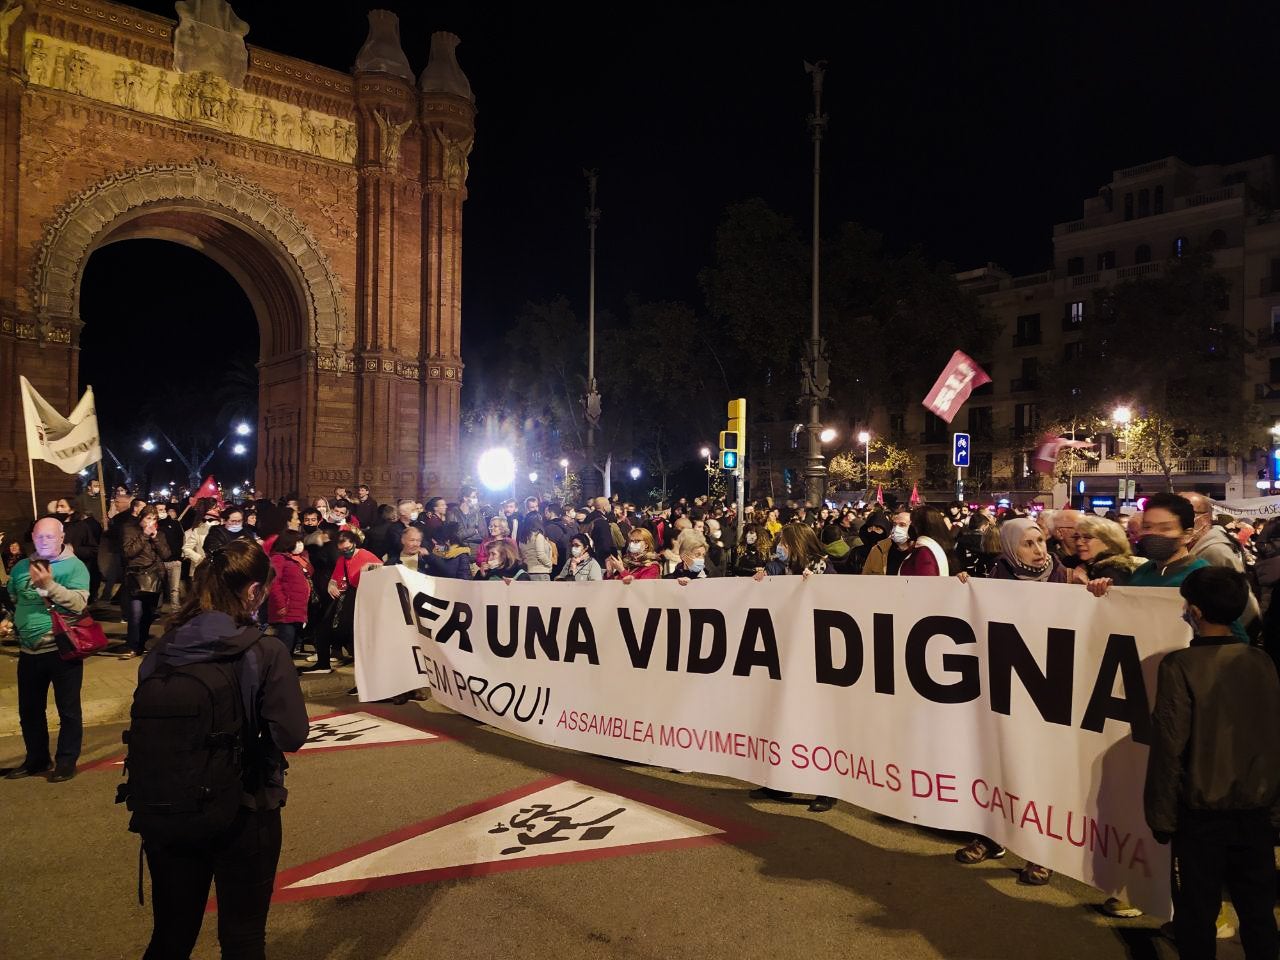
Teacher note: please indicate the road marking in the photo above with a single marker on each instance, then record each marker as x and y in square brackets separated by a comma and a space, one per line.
[550, 822]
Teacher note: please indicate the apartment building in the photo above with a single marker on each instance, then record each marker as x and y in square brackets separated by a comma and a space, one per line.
[1145, 218]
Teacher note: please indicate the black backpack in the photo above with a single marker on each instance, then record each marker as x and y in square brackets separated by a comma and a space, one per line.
[190, 752]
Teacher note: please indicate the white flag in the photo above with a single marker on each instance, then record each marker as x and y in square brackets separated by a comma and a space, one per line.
[70, 443]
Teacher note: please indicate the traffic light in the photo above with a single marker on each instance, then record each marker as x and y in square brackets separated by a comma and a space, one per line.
[733, 439]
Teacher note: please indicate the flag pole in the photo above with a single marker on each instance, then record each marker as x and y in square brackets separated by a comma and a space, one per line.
[31, 466]
[102, 494]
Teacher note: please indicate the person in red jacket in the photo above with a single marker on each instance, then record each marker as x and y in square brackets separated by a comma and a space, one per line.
[290, 591]
[640, 561]
[337, 629]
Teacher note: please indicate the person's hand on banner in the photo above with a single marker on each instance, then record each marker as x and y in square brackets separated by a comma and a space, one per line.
[1100, 587]
[962, 577]
[806, 574]
[759, 575]
[683, 581]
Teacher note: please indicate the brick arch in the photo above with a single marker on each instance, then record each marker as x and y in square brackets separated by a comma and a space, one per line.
[295, 292]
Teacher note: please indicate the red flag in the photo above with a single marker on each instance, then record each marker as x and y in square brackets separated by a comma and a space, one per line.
[880, 494]
[954, 385]
[1045, 459]
[915, 495]
[207, 489]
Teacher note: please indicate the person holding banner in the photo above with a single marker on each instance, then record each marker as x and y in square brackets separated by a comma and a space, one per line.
[640, 562]
[581, 566]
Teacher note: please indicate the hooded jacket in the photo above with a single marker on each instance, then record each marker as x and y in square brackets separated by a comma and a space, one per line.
[273, 704]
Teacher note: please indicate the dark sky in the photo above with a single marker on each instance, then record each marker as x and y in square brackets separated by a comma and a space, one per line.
[966, 128]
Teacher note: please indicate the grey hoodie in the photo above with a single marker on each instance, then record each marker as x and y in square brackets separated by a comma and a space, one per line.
[1216, 549]
[273, 701]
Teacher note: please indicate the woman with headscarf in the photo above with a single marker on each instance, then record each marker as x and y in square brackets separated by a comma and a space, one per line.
[1024, 554]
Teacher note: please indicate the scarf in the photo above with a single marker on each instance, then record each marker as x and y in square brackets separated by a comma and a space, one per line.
[1011, 534]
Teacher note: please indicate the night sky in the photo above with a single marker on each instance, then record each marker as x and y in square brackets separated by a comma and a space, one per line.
[965, 129]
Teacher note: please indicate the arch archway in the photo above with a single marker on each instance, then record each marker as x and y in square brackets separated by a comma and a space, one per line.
[274, 258]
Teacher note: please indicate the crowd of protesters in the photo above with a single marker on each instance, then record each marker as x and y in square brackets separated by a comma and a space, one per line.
[147, 554]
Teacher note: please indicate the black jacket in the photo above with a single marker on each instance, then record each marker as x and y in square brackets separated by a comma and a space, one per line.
[143, 554]
[365, 512]
[602, 548]
[171, 530]
[219, 536]
[558, 534]
[1216, 733]
[82, 533]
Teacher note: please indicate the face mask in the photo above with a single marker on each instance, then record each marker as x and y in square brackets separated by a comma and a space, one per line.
[1158, 548]
[495, 563]
[1188, 619]
[635, 547]
[899, 535]
[576, 550]
[697, 566]
[348, 552]
[413, 517]
[751, 538]
[781, 554]
[234, 527]
[298, 548]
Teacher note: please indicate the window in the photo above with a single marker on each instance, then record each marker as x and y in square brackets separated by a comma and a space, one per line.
[1142, 253]
[1073, 351]
[938, 471]
[980, 422]
[1075, 266]
[1217, 239]
[1159, 200]
[1030, 368]
[1181, 247]
[1074, 315]
[1275, 370]
[1028, 334]
[1107, 260]
[980, 467]
[1128, 206]
[897, 424]
[935, 429]
[1144, 203]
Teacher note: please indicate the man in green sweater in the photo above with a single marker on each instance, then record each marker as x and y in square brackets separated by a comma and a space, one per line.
[52, 576]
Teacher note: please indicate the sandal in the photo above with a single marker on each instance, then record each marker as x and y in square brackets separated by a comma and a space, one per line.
[1035, 875]
[979, 849]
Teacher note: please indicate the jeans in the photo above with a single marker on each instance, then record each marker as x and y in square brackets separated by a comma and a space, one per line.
[173, 578]
[36, 671]
[1213, 849]
[288, 634]
[140, 609]
[243, 865]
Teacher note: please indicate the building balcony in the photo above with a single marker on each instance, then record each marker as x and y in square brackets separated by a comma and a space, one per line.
[1182, 466]
[1029, 339]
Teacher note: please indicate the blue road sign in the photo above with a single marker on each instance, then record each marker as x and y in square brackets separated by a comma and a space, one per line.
[960, 450]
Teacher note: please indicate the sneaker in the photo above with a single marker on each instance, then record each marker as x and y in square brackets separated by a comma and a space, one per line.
[62, 773]
[1115, 907]
[821, 804]
[27, 770]
[308, 671]
[128, 655]
[353, 692]
[344, 661]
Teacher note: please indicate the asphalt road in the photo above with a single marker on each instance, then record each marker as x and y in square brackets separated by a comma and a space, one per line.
[775, 881]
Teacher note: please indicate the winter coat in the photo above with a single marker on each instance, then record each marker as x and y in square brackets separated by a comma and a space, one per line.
[1001, 570]
[348, 570]
[365, 512]
[535, 554]
[1216, 734]
[69, 592]
[586, 571]
[193, 544]
[219, 536]
[268, 686]
[82, 533]
[171, 530]
[559, 535]
[482, 552]
[1117, 568]
[290, 591]
[143, 554]
[471, 526]
[926, 559]
[597, 525]
[454, 563]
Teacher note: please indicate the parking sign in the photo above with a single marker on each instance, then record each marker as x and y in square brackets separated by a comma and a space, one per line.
[960, 449]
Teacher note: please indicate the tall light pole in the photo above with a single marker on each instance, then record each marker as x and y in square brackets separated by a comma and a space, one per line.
[1122, 416]
[592, 400]
[814, 383]
[864, 438]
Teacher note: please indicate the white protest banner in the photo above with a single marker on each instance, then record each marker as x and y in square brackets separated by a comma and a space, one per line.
[1248, 509]
[1020, 711]
[70, 443]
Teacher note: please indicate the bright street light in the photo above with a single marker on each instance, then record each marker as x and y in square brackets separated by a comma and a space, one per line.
[564, 463]
[235, 491]
[705, 452]
[864, 437]
[168, 459]
[239, 449]
[148, 445]
[533, 476]
[497, 468]
[635, 473]
[243, 429]
[827, 435]
[1122, 415]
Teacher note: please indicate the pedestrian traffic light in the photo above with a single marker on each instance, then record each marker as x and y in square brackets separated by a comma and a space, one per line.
[734, 437]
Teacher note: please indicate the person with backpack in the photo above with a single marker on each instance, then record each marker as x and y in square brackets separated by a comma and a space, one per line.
[215, 710]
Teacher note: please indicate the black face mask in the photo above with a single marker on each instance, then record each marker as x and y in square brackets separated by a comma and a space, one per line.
[1158, 548]
[873, 536]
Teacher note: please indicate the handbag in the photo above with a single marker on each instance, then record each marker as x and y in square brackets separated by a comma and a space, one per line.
[144, 581]
[76, 641]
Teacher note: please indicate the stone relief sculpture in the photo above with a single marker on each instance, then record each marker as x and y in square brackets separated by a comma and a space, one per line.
[210, 39]
[390, 135]
[203, 98]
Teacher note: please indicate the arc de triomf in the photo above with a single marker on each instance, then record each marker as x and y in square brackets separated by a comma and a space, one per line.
[334, 199]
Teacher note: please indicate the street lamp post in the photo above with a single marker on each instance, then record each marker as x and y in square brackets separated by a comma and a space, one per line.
[705, 453]
[1121, 417]
[864, 438]
[814, 383]
[593, 393]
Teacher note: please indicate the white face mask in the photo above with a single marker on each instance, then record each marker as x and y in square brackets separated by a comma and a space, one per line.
[576, 550]
[635, 547]
[751, 538]
[298, 548]
[898, 535]
[413, 516]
